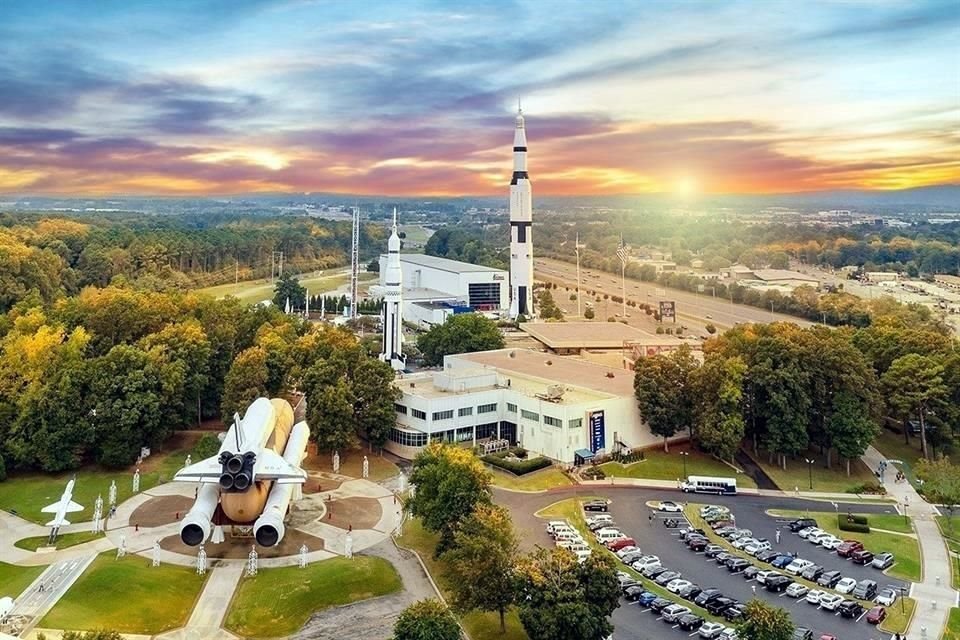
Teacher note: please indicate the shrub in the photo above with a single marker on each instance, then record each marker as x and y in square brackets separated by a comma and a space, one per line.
[594, 473]
[868, 487]
[711, 329]
[659, 330]
[3, 469]
[517, 467]
[669, 331]
[589, 314]
[679, 331]
[611, 319]
[856, 526]
[207, 446]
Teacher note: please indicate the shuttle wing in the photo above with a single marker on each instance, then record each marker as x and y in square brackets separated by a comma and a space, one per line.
[271, 466]
[207, 470]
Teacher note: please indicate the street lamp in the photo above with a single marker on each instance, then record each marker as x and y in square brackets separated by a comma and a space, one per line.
[684, 454]
[810, 469]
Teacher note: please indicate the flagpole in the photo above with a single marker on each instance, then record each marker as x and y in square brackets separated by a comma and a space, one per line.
[622, 254]
[577, 248]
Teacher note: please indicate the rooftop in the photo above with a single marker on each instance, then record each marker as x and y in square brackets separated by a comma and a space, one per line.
[589, 335]
[426, 295]
[444, 264]
[782, 274]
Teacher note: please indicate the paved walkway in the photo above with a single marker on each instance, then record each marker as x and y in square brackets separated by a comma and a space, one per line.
[211, 607]
[933, 594]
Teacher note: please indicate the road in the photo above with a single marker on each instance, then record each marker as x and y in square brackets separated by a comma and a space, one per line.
[46, 590]
[702, 308]
[628, 506]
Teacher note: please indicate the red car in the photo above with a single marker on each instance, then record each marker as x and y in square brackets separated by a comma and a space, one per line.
[876, 615]
[828, 636]
[848, 548]
[620, 543]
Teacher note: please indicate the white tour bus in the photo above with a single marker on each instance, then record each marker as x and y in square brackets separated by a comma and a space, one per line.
[709, 484]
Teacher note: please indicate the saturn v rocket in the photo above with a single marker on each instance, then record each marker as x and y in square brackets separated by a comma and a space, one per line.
[392, 313]
[521, 220]
[252, 479]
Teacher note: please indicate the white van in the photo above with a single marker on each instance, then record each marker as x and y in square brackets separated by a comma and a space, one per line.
[605, 517]
[568, 535]
[582, 555]
[558, 525]
[646, 561]
[608, 535]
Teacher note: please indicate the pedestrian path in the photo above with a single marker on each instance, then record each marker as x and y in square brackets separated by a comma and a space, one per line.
[37, 600]
[211, 607]
[933, 594]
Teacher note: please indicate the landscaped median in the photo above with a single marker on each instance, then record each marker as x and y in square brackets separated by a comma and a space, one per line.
[536, 481]
[64, 541]
[952, 631]
[14, 579]
[905, 548]
[680, 462]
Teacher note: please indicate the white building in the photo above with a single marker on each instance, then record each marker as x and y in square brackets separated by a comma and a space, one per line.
[432, 283]
[551, 405]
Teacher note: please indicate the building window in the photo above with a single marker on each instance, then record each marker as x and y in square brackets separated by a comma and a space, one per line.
[464, 434]
[484, 295]
[488, 430]
[465, 411]
[487, 408]
[416, 413]
[512, 408]
[529, 415]
[553, 422]
[576, 423]
[443, 415]
[399, 408]
[408, 438]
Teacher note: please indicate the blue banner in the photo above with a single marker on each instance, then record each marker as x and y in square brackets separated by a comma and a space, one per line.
[598, 438]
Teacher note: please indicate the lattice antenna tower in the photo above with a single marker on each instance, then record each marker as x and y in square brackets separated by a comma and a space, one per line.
[355, 262]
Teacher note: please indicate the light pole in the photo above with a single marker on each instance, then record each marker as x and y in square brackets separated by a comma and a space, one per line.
[810, 469]
[684, 454]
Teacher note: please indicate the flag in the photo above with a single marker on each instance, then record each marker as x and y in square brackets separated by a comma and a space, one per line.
[622, 251]
[288, 306]
[306, 313]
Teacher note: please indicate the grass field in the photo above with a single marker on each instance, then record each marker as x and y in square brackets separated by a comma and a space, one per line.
[415, 234]
[658, 465]
[905, 549]
[884, 521]
[253, 291]
[127, 595]
[898, 617]
[277, 602]
[479, 625]
[953, 625]
[536, 481]
[63, 541]
[14, 579]
[351, 464]
[834, 479]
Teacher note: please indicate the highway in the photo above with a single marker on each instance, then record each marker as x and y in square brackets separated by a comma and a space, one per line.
[700, 308]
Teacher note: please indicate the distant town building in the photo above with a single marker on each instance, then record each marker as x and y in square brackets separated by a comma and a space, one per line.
[660, 266]
[950, 282]
[882, 276]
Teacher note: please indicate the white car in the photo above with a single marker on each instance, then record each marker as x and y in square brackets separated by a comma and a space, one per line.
[669, 507]
[763, 575]
[804, 533]
[646, 561]
[887, 597]
[678, 585]
[797, 590]
[673, 612]
[814, 595]
[797, 566]
[817, 537]
[831, 542]
[757, 547]
[713, 508]
[741, 533]
[830, 601]
[625, 550]
[845, 586]
[728, 633]
[711, 630]
[740, 543]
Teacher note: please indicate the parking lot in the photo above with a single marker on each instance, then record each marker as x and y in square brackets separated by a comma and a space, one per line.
[629, 509]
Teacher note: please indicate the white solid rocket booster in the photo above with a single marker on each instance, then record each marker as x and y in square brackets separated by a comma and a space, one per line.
[269, 529]
[392, 315]
[521, 219]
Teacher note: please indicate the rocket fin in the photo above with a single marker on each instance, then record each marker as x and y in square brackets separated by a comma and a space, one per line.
[207, 470]
[58, 523]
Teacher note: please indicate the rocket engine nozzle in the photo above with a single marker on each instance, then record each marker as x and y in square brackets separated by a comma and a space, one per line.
[236, 472]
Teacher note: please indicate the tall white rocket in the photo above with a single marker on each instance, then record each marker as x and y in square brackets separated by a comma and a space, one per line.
[521, 241]
[392, 314]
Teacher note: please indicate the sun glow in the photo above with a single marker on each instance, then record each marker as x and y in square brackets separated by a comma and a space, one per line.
[685, 186]
[260, 157]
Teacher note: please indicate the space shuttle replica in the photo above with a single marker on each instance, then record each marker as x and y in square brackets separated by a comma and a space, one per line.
[253, 478]
[61, 508]
[391, 350]
[521, 220]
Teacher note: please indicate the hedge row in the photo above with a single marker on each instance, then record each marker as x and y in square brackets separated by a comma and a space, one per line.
[520, 467]
[857, 524]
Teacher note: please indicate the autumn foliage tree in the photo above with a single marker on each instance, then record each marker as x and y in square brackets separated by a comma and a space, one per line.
[762, 621]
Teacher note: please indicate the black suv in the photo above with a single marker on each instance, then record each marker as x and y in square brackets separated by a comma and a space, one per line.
[812, 573]
[737, 565]
[596, 505]
[719, 605]
[850, 609]
[660, 604]
[734, 614]
[778, 584]
[829, 579]
[802, 523]
[767, 556]
[750, 573]
[691, 592]
[707, 595]
[690, 622]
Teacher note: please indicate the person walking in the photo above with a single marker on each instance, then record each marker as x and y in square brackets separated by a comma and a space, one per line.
[754, 587]
[778, 536]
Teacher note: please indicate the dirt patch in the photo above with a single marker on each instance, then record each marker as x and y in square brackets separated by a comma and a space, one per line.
[161, 510]
[239, 547]
[319, 484]
[360, 513]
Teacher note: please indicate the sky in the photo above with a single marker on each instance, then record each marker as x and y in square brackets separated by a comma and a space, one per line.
[184, 97]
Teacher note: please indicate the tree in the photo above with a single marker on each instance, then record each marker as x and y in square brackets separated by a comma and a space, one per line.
[589, 313]
[451, 482]
[941, 483]
[547, 308]
[426, 620]
[851, 426]
[762, 621]
[186, 343]
[481, 562]
[374, 397]
[560, 599]
[373, 266]
[246, 381]
[663, 387]
[288, 288]
[914, 386]
[711, 328]
[718, 410]
[330, 413]
[461, 333]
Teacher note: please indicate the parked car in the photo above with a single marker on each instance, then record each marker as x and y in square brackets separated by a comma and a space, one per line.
[797, 566]
[646, 598]
[802, 523]
[710, 630]
[850, 609]
[722, 557]
[689, 531]
[830, 601]
[601, 524]
[719, 605]
[845, 585]
[677, 585]
[698, 544]
[716, 525]
[673, 612]
[813, 596]
[882, 560]
[659, 604]
[690, 592]
[628, 583]
[756, 547]
[724, 531]
[646, 561]
[634, 592]
[812, 572]
[689, 622]
[778, 584]
[887, 596]
[632, 557]
[767, 556]
[848, 548]
[876, 615]
[669, 506]
[802, 633]
[666, 577]
[797, 590]
[734, 614]
[740, 543]
[713, 508]
[828, 579]
[623, 551]
[622, 543]
[712, 550]
[653, 571]
[750, 573]
[781, 562]
[806, 533]
[862, 557]
[596, 505]
[818, 536]
[865, 590]
[707, 595]
[830, 542]
[729, 633]
[737, 565]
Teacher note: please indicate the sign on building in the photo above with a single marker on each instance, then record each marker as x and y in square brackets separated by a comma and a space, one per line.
[668, 309]
[597, 431]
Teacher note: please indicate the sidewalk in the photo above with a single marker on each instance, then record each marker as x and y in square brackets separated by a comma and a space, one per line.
[211, 607]
[648, 483]
[934, 594]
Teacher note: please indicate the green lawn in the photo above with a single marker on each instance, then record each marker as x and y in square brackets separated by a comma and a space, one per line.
[253, 291]
[14, 578]
[950, 530]
[127, 595]
[832, 480]
[884, 521]
[277, 602]
[953, 626]
[899, 615]
[479, 625]
[904, 548]
[536, 481]
[63, 541]
[415, 233]
[351, 464]
[658, 465]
